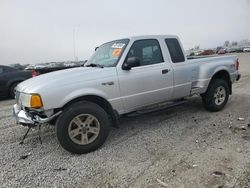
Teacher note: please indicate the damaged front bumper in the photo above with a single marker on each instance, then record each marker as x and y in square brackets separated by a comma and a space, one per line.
[27, 119]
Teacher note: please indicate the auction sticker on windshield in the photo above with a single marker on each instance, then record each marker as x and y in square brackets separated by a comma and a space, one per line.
[118, 45]
[116, 52]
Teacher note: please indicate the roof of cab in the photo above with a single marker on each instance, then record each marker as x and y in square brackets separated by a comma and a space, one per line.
[152, 36]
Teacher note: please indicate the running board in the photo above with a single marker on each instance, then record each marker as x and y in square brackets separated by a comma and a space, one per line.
[155, 108]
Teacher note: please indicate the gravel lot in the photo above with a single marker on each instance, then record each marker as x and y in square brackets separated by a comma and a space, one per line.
[185, 146]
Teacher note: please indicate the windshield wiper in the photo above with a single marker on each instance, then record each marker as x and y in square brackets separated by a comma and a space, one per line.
[94, 65]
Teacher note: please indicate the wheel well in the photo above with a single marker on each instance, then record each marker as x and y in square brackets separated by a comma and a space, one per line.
[224, 75]
[101, 102]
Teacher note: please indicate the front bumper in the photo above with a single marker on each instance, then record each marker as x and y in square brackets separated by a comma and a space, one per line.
[27, 119]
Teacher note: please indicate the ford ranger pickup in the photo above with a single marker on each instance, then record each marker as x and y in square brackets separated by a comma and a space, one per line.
[121, 77]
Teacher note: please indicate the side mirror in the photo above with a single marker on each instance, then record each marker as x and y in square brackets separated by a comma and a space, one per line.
[131, 62]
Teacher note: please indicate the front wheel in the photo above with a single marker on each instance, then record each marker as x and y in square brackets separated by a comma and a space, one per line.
[216, 96]
[83, 127]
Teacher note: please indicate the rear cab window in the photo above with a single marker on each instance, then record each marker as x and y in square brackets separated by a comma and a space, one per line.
[175, 50]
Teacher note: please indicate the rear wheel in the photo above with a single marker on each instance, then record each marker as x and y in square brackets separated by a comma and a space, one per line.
[216, 96]
[83, 127]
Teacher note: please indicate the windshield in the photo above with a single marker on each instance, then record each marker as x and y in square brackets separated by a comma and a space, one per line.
[108, 54]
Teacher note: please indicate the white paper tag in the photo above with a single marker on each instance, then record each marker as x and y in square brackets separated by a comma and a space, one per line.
[118, 45]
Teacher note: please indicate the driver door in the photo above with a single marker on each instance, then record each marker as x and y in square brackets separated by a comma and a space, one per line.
[149, 83]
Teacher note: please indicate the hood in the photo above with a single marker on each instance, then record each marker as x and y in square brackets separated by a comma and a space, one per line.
[61, 78]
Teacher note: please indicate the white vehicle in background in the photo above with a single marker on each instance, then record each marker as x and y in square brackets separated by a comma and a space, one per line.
[246, 49]
[123, 76]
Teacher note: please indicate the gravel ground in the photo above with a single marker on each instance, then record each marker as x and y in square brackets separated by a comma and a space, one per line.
[185, 146]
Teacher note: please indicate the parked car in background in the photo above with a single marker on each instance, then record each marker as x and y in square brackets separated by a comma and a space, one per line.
[9, 78]
[218, 49]
[18, 66]
[239, 49]
[195, 53]
[230, 50]
[246, 49]
[53, 66]
[207, 52]
[222, 51]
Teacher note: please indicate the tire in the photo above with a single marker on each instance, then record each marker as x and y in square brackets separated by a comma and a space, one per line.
[77, 121]
[216, 95]
[12, 90]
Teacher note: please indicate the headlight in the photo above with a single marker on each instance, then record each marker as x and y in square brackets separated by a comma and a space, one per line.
[31, 100]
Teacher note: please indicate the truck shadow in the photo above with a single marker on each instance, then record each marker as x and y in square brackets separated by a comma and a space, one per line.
[129, 126]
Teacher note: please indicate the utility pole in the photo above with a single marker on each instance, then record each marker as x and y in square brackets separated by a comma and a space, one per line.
[74, 44]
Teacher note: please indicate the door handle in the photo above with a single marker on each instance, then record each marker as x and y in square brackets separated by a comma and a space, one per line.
[108, 83]
[165, 71]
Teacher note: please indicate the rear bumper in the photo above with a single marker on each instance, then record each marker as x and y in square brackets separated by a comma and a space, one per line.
[27, 119]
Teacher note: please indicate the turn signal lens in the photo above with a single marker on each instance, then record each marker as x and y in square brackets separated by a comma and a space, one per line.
[36, 101]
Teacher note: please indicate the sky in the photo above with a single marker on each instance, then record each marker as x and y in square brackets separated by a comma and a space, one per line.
[37, 31]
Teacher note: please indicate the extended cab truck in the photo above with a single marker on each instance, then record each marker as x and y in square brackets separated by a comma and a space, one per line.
[121, 77]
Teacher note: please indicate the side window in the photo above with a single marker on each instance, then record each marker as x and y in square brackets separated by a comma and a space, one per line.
[1, 70]
[5, 70]
[148, 51]
[175, 50]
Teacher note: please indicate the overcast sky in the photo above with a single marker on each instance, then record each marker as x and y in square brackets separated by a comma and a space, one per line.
[35, 31]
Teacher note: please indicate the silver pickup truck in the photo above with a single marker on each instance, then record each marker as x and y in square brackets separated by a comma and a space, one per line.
[121, 77]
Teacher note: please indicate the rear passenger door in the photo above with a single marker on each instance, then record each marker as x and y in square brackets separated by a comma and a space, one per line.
[182, 70]
[149, 83]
